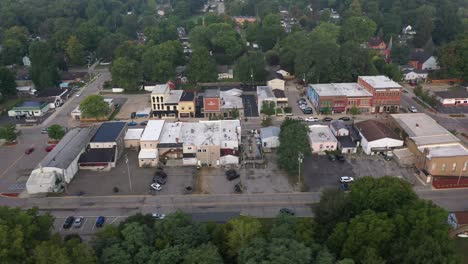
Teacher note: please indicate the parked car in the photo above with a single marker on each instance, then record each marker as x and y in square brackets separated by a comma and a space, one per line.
[331, 157]
[346, 179]
[158, 216]
[133, 115]
[144, 123]
[29, 150]
[100, 221]
[412, 83]
[45, 131]
[78, 94]
[50, 148]
[156, 186]
[302, 106]
[132, 123]
[413, 109]
[160, 173]
[340, 157]
[232, 174]
[344, 186]
[307, 110]
[116, 105]
[344, 118]
[311, 119]
[68, 222]
[287, 211]
[78, 222]
[327, 119]
[160, 180]
[463, 235]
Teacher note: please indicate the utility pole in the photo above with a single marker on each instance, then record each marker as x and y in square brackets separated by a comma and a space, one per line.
[128, 173]
[459, 176]
[300, 158]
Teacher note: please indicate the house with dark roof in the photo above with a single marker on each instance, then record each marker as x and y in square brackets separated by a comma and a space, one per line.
[377, 44]
[423, 60]
[105, 147]
[455, 97]
[347, 136]
[377, 137]
[30, 109]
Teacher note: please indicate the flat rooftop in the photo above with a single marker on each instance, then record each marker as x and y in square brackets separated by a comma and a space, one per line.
[424, 130]
[455, 93]
[321, 133]
[380, 82]
[446, 151]
[171, 133]
[340, 89]
[231, 99]
[153, 130]
[210, 133]
[174, 97]
[133, 133]
[265, 93]
[160, 89]
[108, 131]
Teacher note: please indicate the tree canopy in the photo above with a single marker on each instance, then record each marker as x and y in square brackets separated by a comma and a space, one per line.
[56, 132]
[293, 140]
[94, 106]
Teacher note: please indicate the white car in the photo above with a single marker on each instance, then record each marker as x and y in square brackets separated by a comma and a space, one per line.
[311, 119]
[158, 216]
[346, 179]
[302, 106]
[156, 186]
[463, 235]
[78, 94]
[413, 109]
[78, 222]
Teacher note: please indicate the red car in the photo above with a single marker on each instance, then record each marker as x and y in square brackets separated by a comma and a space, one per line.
[29, 150]
[50, 148]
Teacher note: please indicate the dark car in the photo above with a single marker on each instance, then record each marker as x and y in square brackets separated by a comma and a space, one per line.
[331, 157]
[340, 157]
[160, 173]
[160, 180]
[344, 186]
[132, 123]
[144, 123]
[345, 118]
[287, 211]
[232, 174]
[29, 150]
[133, 115]
[100, 221]
[68, 222]
[327, 119]
[50, 148]
[307, 111]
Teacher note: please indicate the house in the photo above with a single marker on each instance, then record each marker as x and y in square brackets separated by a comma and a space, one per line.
[377, 44]
[26, 90]
[132, 137]
[149, 87]
[240, 20]
[105, 147]
[187, 105]
[58, 96]
[321, 139]
[454, 97]
[414, 75]
[347, 136]
[386, 94]
[60, 165]
[284, 75]
[423, 60]
[339, 97]
[437, 152]
[408, 30]
[26, 61]
[264, 95]
[376, 137]
[225, 72]
[339, 128]
[276, 84]
[30, 109]
[222, 104]
[270, 137]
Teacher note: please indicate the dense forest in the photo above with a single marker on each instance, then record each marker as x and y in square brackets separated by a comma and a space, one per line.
[140, 38]
[378, 221]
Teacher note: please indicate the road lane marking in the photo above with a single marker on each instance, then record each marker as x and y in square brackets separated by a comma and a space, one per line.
[1, 176]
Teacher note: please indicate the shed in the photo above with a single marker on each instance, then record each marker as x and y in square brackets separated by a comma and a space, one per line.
[276, 84]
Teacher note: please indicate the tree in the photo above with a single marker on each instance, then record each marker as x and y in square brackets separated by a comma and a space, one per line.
[277, 251]
[354, 110]
[400, 54]
[272, 57]
[9, 132]
[454, 58]
[358, 29]
[75, 51]
[204, 254]
[7, 82]
[334, 207]
[354, 9]
[126, 73]
[251, 67]
[235, 113]
[44, 72]
[159, 61]
[293, 140]
[268, 108]
[94, 106]
[202, 66]
[240, 231]
[270, 32]
[56, 132]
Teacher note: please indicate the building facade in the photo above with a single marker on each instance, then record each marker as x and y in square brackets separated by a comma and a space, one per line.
[222, 104]
[321, 139]
[386, 94]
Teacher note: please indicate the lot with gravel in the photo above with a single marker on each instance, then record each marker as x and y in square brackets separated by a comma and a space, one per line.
[134, 103]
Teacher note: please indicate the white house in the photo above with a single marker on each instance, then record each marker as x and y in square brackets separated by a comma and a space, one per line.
[321, 139]
[339, 128]
[276, 84]
[377, 137]
[430, 64]
[414, 75]
[270, 136]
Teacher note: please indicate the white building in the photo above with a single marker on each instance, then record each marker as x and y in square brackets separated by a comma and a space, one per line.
[132, 137]
[265, 94]
[431, 64]
[149, 142]
[270, 137]
[377, 137]
[414, 75]
[276, 84]
[61, 164]
[321, 139]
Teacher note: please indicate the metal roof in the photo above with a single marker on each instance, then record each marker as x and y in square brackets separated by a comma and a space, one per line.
[270, 131]
[68, 148]
[108, 131]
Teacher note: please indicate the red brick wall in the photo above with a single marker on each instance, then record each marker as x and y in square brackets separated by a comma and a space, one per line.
[381, 98]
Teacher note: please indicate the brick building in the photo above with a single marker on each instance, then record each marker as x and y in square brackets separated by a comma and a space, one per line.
[386, 94]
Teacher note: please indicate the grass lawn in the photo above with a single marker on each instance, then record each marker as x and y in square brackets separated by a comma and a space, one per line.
[461, 246]
[7, 104]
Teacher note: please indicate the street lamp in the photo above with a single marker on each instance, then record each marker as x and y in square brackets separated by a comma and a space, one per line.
[300, 158]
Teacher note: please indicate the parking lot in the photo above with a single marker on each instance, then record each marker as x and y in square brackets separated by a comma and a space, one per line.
[250, 105]
[131, 180]
[134, 103]
[320, 173]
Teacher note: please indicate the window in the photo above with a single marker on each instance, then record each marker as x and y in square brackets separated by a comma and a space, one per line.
[154, 106]
[465, 166]
[454, 166]
[442, 167]
[168, 108]
[199, 150]
[189, 108]
[153, 99]
[174, 107]
[321, 146]
[204, 150]
[182, 108]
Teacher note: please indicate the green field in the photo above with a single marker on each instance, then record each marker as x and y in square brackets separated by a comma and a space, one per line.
[461, 245]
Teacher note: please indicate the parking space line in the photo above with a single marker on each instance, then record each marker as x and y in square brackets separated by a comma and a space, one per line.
[85, 220]
[114, 220]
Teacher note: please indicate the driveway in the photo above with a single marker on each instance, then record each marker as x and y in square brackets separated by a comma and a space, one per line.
[250, 105]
